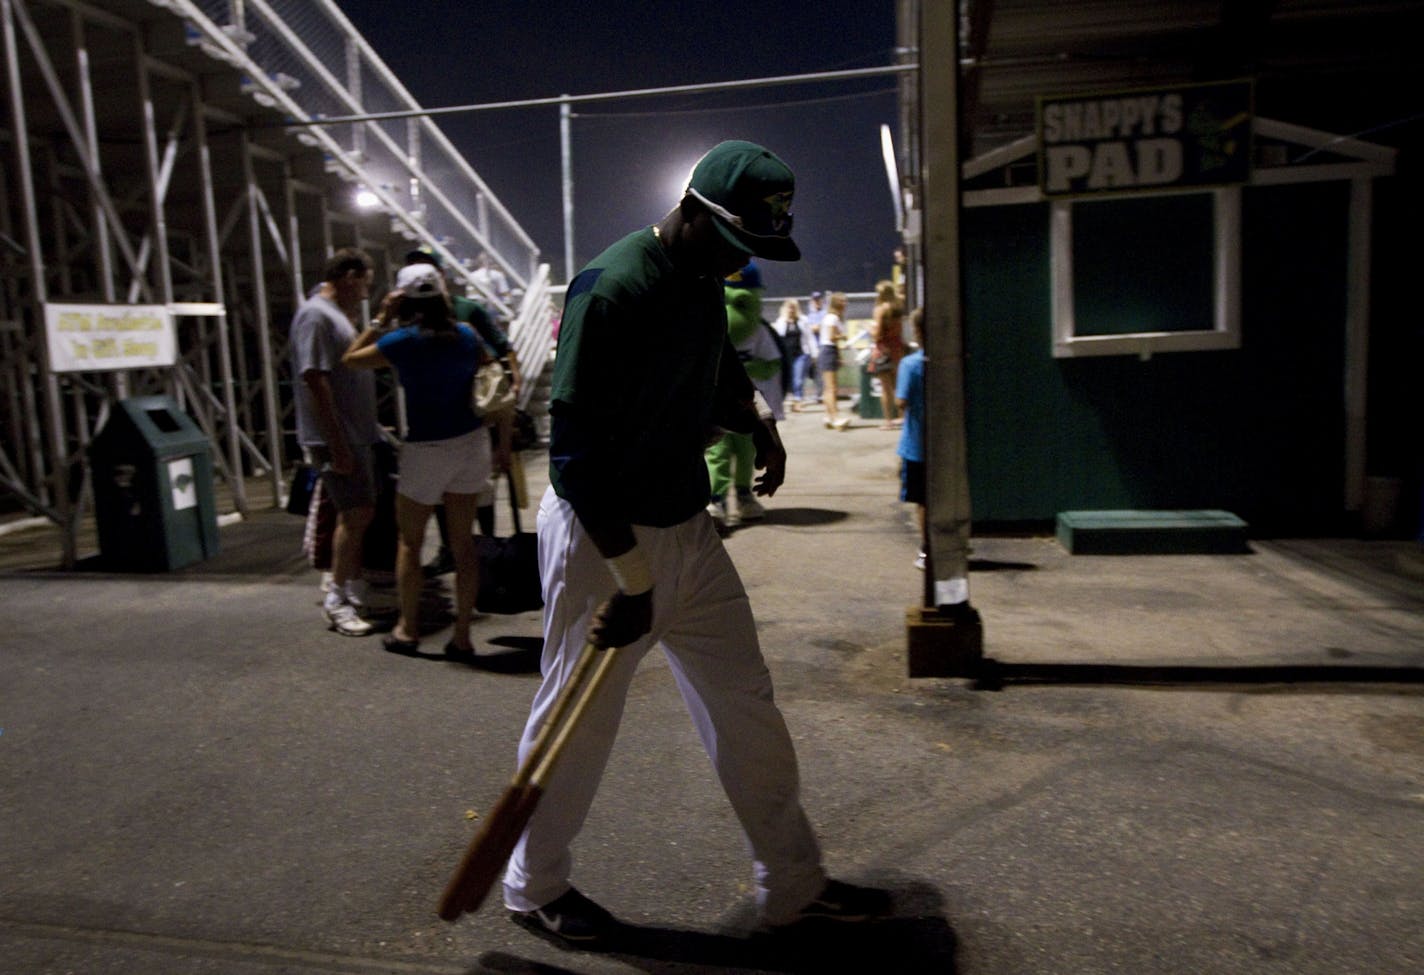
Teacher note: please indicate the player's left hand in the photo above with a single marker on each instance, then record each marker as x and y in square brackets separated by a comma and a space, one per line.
[770, 458]
[621, 620]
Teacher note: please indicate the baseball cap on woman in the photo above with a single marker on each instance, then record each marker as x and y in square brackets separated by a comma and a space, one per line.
[748, 189]
[420, 281]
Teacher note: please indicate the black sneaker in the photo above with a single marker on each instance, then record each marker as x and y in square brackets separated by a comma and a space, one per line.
[840, 901]
[571, 918]
[394, 644]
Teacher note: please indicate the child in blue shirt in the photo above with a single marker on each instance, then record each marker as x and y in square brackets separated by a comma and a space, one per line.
[910, 398]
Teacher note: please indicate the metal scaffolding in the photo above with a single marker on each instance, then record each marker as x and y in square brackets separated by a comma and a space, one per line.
[154, 154]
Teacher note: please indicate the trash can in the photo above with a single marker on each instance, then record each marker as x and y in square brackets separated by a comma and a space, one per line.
[869, 406]
[153, 487]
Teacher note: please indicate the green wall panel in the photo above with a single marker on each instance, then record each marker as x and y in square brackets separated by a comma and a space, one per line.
[1258, 431]
[1124, 265]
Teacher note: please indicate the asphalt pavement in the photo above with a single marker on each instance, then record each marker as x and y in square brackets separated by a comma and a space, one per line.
[1174, 764]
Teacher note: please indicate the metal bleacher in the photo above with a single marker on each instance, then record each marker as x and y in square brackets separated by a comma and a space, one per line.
[182, 153]
[305, 59]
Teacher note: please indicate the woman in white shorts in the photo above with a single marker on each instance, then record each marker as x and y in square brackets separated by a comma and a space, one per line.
[446, 458]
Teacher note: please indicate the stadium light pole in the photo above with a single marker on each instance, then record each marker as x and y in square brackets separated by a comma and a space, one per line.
[566, 169]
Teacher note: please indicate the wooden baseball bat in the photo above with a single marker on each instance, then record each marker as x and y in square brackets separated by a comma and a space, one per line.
[491, 847]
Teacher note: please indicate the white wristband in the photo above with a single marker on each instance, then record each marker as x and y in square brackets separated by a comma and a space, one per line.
[763, 408]
[631, 572]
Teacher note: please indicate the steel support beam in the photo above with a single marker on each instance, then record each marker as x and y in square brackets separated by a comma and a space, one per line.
[224, 338]
[263, 322]
[76, 134]
[103, 248]
[945, 634]
[1357, 340]
[57, 480]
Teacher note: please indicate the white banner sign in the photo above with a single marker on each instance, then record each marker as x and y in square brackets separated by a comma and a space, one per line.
[95, 338]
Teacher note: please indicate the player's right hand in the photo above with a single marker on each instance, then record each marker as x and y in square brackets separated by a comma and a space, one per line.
[621, 620]
[770, 458]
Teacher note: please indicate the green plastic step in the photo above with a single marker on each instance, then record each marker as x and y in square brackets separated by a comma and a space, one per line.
[1205, 532]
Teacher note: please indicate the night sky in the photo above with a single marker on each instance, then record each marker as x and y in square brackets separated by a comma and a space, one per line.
[631, 156]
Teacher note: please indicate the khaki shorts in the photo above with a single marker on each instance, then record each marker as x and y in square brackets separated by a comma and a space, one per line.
[431, 469]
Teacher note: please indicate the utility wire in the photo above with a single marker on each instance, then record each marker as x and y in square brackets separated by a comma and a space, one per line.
[603, 96]
[1363, 132]
[737, 108]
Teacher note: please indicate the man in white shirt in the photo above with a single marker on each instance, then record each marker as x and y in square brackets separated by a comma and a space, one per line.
[491, 280]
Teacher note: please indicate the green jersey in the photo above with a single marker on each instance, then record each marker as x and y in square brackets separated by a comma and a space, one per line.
[643, 373]
[472, 313]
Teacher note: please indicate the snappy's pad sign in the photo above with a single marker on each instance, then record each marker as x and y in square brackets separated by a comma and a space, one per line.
[1149, 139]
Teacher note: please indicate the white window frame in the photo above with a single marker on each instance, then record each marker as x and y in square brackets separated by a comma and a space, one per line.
[1225, 330]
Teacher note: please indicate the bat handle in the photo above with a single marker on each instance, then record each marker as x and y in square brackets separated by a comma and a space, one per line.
[497, 839]
[555, 718]
[545, 766]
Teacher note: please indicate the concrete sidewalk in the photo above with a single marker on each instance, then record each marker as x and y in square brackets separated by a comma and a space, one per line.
[196, 777]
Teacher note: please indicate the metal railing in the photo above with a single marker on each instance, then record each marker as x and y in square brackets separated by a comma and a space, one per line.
[532, 333]
[305, 59]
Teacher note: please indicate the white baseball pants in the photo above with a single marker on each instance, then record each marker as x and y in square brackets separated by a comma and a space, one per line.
[703, 621]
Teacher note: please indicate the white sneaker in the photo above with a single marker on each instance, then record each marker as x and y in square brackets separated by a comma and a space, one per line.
[717, 510]
[344, 619]
[749, 508]
[920, 560]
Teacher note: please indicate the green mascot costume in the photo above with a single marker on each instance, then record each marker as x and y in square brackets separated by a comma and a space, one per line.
[731, 459]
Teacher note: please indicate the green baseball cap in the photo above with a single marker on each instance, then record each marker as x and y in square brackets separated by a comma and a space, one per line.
[748, 189]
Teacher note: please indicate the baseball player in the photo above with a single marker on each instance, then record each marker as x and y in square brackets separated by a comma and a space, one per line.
[630, 558]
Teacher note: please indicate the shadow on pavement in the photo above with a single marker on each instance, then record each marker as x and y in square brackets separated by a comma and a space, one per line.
[501, 655]
[993, 675]
[998, 565]
[500, 963]
[510, 655]
[907, 945]
[902, 945]
[800, 517]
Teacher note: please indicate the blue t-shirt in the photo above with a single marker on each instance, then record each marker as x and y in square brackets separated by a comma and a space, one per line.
[436, 370]
[910, 387]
